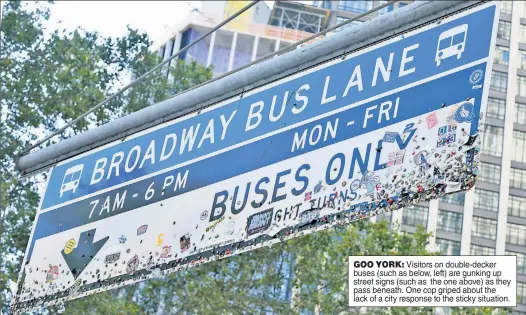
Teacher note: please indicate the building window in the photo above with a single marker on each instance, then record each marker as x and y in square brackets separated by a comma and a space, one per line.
[502, 55]
[522, 9]
[341, 19]
[519, 146]
[450, 221]
[516, 234]
[517, 206]
[496, 108]
[504, 30]
[523, 34]
[506, 7]
[456, 199]
[499, 81]
[523, 59]
[492, 140]
[489, 173]
[487, 200]
[356, 6]
[477, 250]
[521, 293]
[448, 247]
[521, 86]
[521, 262]
[520, 113]
[518, 178]
[387, 9]
[415, 215]
[485, 228]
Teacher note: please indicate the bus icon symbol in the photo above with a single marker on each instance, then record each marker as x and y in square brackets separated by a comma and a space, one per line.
[71, 179]
[451, 43]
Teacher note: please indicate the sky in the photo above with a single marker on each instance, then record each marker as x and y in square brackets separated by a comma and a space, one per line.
[110, 18]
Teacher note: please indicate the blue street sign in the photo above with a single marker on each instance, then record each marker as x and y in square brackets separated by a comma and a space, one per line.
[343, 140]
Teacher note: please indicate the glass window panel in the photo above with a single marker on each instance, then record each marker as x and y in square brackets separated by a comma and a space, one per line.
[355, 6]
[489, 173]
[502, 55]
[516, 234]
[485, 228]
[517, 206]
[521, 86]
[456, 198]
[521, 293]
[523, 34]
[519, 146]
[499, 81]
[518, 178]
[506, 7]
[521, 262]
[487, 200]
[492, 140]
[243, 53]
[477, 250]
[523, 59]
[504, 30]
[387, 9]
[496, 108]
[520, 113]
[448, 247]
[221, 51]
[449, 221]
[415, 215]
[265, 47]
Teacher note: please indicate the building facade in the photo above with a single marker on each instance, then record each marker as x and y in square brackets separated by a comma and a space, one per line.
[254, 34]
[487, 220]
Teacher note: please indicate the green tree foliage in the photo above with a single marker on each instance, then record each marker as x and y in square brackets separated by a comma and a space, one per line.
[48, 80]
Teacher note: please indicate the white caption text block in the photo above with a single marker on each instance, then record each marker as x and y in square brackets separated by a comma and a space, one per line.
[385, 281]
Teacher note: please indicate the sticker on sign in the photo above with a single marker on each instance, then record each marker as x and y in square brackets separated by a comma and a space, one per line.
[383, 128]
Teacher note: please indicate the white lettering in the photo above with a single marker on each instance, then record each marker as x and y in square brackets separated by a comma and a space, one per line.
[188, 138]
[105, 206]
[127, 166]
[209, 133]
[225, 124]
[98, 171]
[386, 73]
[355, 80]
[115, 162]
[181, 182]
[257, 115]
[384, 111]
[168, 180]
[301, 98]
[164, 154]
[119, 202]
[367, 115]
[94, 203]
[316, 130]
[150, 154]
[324, 99]
[299, 143]
[271, 116]
[331, 129]
[406, 59]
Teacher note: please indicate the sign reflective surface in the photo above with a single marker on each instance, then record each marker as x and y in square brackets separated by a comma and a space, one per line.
[385, 127]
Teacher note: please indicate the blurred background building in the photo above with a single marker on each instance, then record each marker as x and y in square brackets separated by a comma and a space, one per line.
[488, 220]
